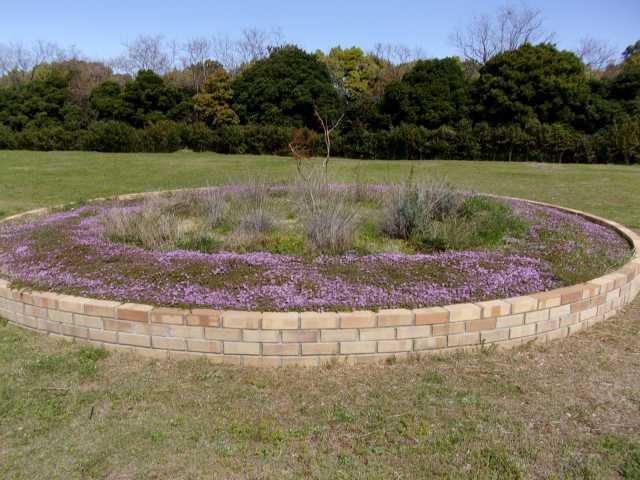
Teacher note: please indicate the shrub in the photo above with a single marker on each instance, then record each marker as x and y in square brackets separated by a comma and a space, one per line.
[111, 136]
[163, 136]
[256, 222]
[7, 138]
[46, 139]
[331, 225]
[411, 207]
[198, 137]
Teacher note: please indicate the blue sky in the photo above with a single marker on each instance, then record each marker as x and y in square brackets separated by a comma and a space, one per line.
[99, 28]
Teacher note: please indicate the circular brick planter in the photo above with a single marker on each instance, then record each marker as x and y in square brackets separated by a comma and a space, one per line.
[314, 338]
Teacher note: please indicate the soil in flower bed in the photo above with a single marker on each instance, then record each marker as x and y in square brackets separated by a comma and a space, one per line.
[308, 246]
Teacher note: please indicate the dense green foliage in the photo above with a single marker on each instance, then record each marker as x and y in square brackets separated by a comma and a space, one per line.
[535, 103]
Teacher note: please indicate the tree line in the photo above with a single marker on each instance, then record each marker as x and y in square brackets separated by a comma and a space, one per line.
[505, 98]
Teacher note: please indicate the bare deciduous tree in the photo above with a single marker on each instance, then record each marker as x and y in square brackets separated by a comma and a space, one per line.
[328, 127]
[508, 28]
[19, 61]
[596, 54]
[256, 43]
[146, 52]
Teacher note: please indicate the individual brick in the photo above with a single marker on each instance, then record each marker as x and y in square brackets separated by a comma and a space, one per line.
[463, 311]
[547, 325]
[377, 333]
[241, 348]
[232, 334]
[510, 320]
[413, 332]
[590, 290]
[571, 294]
[481, 324]
[604, 283]
[135, 340]
[169, 343]
[239, 319]
[117, 325]
[182, 356]
[317, 320]
[522, 331]
[280, 348]
[331, 348]
[339, 335]
[522, 304]
[204, 317]
[152, 353]
[261, 336]
[134, 312]
[103, 336]
[173, 316]
[557, 334]
[206, 346]
[558, 312]
[552, 298]
[447, 328]
[310, 361]
[100, 308]
[45, 299]
[430, 316]
[536, 316]
[357, 347]
[494, 335]
[589, 313]
[357, 319]
[185, 331]
[58, 316]
[262, 362]
[280, 320]
[72, 304]
[38, 312]
[87, 321]
[494, 308]
[463, 339]
[395, 317]
[300, 335]
[385, 346]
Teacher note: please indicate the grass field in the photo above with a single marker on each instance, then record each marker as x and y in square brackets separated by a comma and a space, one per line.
[569, 409]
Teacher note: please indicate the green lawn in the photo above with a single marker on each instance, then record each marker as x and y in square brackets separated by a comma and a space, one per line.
[29, 179]
[564, 410]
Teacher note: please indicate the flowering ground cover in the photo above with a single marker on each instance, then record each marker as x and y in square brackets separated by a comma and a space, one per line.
[70, 251]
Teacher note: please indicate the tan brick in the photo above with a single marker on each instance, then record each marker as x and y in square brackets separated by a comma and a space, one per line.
[494, 308]
[320, 348]
[103, 336]
[395, 345]
[238, 319]
[546, 325]
[357, 347]
[158, 329]
[173, 316]
[575, 328]
[339, 335]
[280, 320]
[522, 304]
[589, 313]
[536, 316]
[152, 353]
[604, 283]
[463, 311]
[242, 348]
[316, 320]
[261, 336]
[552, 298]
[223, 333]
[510, 320]
[558, 312]
[280, 348]
[169, 343]
[72, 304]
[377, 333]
[45, 299]
[206, 346]
[481, 324]
[571, 294]
[204, 317]
[395, 317]
[136, 340]
[134, 312]
[429, 343]
[101, 308]
[87, 321]
[557, 334]
[62, 317]
[300, 335]
[429, 316]
[569, 319]
[447, 328]
[117, 325]
[494, 335]
[590, 290]
[262, 362]
[522, 331]
[463, 339]
[38, 312]
[357, 319]
[186, 331]
[414, 332]
[181, 356]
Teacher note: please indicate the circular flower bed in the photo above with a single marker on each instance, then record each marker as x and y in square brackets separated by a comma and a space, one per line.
[90, 251]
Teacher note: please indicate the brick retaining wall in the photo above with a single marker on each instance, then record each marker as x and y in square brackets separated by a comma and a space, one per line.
[313, 338]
